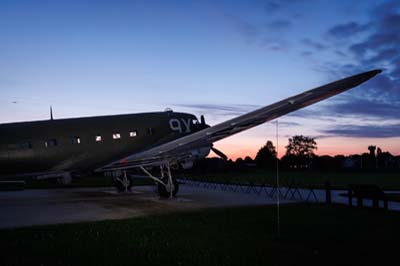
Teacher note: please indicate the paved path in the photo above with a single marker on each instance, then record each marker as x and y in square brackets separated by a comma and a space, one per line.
[53, 206]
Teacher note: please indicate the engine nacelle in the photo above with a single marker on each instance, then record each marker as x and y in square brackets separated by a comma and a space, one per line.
[195, 154]
[187, 164]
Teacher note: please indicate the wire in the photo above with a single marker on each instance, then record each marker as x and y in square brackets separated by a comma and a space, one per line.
[277, 182]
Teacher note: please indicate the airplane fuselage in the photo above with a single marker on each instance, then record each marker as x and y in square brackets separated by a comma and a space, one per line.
[85, 143]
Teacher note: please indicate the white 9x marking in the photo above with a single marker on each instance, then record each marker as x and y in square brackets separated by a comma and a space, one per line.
[181, 125]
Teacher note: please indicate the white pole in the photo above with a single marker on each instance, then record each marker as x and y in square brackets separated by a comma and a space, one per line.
[277, 180]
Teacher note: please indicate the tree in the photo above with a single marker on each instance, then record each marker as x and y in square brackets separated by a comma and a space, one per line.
[301, 150]
[266, 156]
[248, 160]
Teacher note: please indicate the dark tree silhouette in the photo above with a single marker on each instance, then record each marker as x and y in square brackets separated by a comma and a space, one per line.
[266, 156]
[372, 149]
[248, 160]
[300, 151]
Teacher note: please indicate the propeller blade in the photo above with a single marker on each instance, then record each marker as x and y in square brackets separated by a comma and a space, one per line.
[219, 153]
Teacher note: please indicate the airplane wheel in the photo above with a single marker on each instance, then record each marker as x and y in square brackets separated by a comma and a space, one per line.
[164, 191]
[119, 184]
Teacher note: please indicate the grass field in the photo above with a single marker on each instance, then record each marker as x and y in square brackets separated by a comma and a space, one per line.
[310, 235]
[338, 180]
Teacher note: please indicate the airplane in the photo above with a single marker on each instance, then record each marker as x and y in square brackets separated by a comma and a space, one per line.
[63, 147]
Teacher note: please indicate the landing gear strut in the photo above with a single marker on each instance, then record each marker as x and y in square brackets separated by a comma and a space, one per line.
[167, 185]
[123, 183]
[171, 187]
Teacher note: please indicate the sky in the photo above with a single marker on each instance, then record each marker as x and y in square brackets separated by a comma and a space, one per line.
[216, 58]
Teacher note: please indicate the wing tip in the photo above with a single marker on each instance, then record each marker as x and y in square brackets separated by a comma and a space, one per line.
[362, 77]
[374, 72]
[377, 71]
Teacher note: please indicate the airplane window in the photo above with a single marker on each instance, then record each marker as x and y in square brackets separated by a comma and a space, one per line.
[25, 145]
[98, 138]
[50, 143]
[132, 134]
[75, 140]
[116, 135]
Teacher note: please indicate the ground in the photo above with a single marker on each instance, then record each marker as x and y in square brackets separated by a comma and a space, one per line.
[71, 205]
[203, 226]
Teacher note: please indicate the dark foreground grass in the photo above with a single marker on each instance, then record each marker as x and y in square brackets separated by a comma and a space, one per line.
[310, 234]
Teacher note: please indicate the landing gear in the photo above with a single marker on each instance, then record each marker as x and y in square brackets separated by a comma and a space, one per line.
[167, 185]
[65, 179]
[123, 183]
[165, 190]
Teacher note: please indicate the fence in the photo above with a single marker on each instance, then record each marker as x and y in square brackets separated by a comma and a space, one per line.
[288, 190]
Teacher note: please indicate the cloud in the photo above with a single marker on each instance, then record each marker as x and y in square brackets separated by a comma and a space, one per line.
[375, 43]
[275, 44]
[306, 54]
[221, 109]
[350, 29]
[279, 24]
[313, 44]
[366, 108]
[245, 28]
[384, 55]
[377, 47]
[383, 38]
[390, 22]
[365, 131]
[273, 6]
[267, 30]
[288, 124]
[309, 112]
[386, 8]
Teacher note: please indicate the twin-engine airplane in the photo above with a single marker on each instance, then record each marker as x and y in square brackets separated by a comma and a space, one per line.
[62, 147]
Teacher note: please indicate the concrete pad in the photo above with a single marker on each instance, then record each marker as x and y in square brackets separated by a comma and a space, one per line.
[53, 206]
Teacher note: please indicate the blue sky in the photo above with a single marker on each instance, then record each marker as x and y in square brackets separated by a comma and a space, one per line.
[217, 58]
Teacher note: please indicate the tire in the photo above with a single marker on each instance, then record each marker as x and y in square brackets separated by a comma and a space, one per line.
[163, 191]
[120, 186]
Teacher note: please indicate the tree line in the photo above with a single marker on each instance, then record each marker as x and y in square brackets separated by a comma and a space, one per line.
[300, 155]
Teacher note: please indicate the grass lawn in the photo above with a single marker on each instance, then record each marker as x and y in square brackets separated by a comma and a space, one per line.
[310, 234]
[339, 180]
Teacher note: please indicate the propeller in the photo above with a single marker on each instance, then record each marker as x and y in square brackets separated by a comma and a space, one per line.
[219, 153]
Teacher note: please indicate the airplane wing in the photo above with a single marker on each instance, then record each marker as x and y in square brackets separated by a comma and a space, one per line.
[186, 147]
